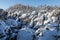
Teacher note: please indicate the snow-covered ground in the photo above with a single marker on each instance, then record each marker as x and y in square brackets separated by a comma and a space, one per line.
[35, 25]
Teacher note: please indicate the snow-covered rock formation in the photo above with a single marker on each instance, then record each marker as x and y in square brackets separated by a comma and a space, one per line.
[28, 24]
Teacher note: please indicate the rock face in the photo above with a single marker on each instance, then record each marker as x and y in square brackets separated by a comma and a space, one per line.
[30, 24]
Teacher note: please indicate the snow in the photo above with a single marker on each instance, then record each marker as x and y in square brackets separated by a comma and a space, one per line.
[37, 26]
[3, 26]
[23, 15]
[48, 35]
[12, 22]
[34, 25]
[54, 19]
[34, 13]
[3, 30]
[25, 34]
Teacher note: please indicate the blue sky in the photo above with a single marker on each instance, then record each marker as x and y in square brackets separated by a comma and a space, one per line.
[7, 3]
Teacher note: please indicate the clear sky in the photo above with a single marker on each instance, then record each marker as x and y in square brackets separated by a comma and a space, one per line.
[7, 3]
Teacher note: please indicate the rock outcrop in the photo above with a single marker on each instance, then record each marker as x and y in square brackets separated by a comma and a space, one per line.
[20, 23]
